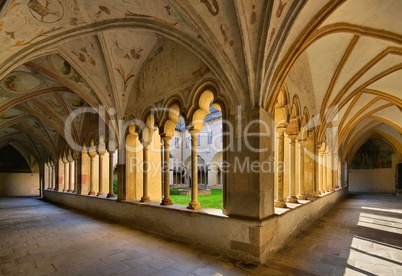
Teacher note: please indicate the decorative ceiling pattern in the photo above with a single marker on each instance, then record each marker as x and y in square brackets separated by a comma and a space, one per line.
[342, 58]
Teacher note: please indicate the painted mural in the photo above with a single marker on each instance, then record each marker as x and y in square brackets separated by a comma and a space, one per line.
[373, 154]
[20, 82]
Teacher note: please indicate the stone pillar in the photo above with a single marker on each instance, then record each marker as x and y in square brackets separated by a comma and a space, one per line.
[292, 175]
[71, 173]
[250, 193]
[111, 149]
[92, 154]
[300, 178]
[166, 171]
[121, 173]
[320, 170]
[324, 171]
[85, 171]
[49, 173]
[77, 172]
[66, 173]
[339, 172]
[194, 204]
[145, 168]
[330, 181]
[53, 176]
[279, 168]
[101, 153]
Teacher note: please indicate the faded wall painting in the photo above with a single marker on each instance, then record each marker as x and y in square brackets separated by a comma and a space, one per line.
[373, 154]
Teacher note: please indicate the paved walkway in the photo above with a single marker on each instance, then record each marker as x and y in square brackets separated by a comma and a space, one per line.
[360, 236]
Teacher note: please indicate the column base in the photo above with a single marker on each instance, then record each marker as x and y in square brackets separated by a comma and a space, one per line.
[280, 203]
[92, 193]
[70, 191]
[301, 196]
[194, 206]
[100, 194]
[167, 201]
[110, 195]
[292, 199]
[145, 199]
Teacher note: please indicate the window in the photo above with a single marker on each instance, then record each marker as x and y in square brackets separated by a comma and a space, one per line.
[209, 137]
[187, 142]
[176, 142]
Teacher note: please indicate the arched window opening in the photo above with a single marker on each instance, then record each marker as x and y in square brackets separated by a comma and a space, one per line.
[209, 161]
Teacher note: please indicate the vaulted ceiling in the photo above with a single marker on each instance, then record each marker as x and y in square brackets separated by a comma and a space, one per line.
[57, 58]
[346, 67]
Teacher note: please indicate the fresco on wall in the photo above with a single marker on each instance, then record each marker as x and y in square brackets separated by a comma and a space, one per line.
[373, 154]
[19, 82]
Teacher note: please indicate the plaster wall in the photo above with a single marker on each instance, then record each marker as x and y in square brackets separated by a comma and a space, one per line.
[373, 181]
[241, 239]
[174, 68]
[19, 184]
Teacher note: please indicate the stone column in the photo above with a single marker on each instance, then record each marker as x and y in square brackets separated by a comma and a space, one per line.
[77, 171]
[249, 194]
[339, 172]
[330, 181]
[52, 176]
[101, 152]
[292, 175]
[92, 154]
[166, 171]
[66, 173]
[300, 142]
[279, 160]
[85, 168]
[320, 170]
[324, 171]
[121, 172]
[194, 204]
[71, 173]
[145, 167]
[111, 149]
[49, 172]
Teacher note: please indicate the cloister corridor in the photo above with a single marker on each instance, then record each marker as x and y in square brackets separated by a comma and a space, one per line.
[361, 235]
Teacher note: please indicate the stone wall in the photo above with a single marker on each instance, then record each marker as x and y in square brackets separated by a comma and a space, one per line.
[19, 184]
[372, 181]
[247, 240]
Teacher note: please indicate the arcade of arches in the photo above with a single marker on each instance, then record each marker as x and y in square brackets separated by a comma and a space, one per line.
[91, 94]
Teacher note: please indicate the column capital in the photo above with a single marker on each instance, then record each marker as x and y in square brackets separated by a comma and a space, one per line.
[166, 137]
[92, 149]
[280, 130]
[292, 137]
[194, 132]
[70, 157]
[64, 159]
[111, 147]
[92, 152]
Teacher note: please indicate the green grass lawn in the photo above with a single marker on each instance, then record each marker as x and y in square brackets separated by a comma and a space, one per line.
[207, 201]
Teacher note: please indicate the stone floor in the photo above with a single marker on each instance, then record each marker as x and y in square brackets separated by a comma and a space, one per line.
[360, 236]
